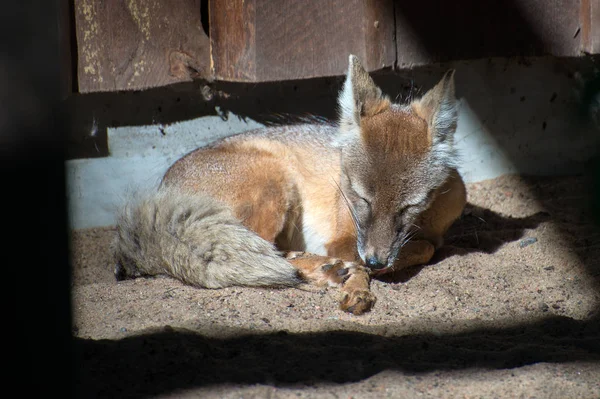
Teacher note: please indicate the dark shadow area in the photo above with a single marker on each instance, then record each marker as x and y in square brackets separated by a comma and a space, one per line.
[483, 230]
[278, 102]
[477, 230]
[466, 29]
[161, 362]
[580, 230]
[272, 103]
[37, 273]
[91, 114]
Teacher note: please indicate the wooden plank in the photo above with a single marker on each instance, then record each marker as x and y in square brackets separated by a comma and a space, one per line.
[441, 30]
[137, 44]
[262, 40]
[593, 38]
[232, 39]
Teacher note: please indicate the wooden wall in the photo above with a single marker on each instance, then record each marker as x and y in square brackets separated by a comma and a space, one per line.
[441, 30]
[138, 44]
[263, 40]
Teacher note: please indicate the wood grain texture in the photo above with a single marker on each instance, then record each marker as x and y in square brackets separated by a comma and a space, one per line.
[137, 44]
[441, 30]
[261, 40]
[593, 40]
[233, 39]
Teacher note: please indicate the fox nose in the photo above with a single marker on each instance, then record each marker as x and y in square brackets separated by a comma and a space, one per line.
[374, 263]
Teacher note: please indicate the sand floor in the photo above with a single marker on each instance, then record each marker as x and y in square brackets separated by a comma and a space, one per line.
[509, 308]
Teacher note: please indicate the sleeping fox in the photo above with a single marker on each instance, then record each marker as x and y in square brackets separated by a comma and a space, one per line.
[331, 204]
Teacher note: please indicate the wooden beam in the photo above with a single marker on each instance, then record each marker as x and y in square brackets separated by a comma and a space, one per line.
[138, 44]
[592, 38]
[441, 30]
[262, 40]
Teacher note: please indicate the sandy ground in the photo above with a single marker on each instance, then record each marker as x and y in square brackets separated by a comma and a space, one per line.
[509, 308]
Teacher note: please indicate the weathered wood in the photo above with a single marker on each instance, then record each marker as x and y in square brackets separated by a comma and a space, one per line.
[442, 30]
[137, 44]
[232, 38]
[262, 40]
[593, 38]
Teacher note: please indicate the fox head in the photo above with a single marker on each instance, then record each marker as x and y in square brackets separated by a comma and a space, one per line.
[393, 158]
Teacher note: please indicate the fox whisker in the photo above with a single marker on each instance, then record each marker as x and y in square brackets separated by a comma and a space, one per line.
[409, 236]
[415, 226]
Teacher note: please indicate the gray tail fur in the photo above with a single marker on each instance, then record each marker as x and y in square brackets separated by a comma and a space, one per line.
[196, 240]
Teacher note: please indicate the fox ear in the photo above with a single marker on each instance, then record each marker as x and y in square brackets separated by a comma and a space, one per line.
[439, 108]
[360, 97]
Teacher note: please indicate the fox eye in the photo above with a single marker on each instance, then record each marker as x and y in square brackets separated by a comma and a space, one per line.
[399, 223]
[402, 213]
[364, 203]
[361, 198]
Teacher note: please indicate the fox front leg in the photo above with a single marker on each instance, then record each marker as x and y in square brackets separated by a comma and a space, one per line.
[356, 295]
[352, 278]
[418, 252]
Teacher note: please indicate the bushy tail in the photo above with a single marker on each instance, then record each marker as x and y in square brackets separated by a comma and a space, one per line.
[197, 240]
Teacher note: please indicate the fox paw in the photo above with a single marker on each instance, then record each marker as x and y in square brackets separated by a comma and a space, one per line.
[322, 270]
[338, 272]
[356, 297]
[357, 302]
